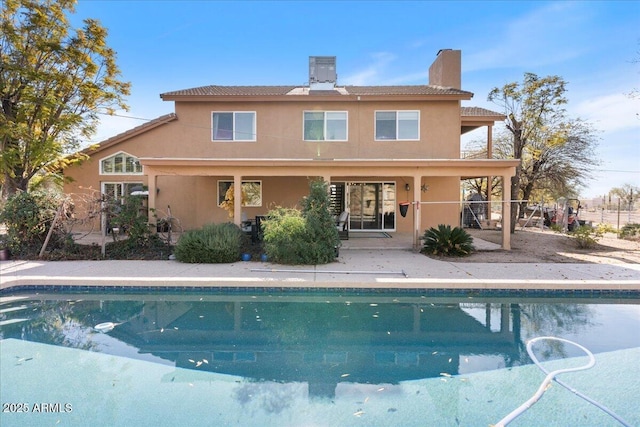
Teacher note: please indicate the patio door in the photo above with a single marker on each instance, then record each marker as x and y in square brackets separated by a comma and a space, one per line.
[372, 205]
[115, 191]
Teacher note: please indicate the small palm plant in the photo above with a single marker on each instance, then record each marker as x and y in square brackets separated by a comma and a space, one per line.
[447, 241]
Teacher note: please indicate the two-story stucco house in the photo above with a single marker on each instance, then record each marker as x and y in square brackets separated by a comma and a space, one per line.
[377, 146]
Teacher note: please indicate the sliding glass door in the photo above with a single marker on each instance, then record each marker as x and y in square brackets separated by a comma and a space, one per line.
[372, 205]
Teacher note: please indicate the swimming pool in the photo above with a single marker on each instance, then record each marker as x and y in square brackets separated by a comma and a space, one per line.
[314, 360]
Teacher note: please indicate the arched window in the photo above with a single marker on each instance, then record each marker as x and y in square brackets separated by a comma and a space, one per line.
[120, 164]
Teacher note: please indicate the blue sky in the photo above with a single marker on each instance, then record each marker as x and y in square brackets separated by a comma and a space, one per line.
[595, 46]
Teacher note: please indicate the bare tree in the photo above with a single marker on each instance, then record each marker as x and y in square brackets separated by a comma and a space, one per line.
[628, 193]
[557, 161]
[556, 153]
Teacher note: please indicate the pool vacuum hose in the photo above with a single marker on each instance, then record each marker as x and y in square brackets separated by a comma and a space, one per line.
[551, 376]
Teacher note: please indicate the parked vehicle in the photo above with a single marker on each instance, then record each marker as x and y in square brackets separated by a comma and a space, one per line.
[566, 213]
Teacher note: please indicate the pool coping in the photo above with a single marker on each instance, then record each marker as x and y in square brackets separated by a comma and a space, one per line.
[357, 271]
[433, 286]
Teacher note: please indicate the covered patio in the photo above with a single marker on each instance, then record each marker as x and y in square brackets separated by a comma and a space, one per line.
[414, 172]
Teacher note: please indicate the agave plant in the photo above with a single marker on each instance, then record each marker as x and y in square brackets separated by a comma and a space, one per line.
[447, 241]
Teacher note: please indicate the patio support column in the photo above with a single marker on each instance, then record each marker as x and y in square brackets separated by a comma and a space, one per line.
[416, 319]
[504, 318]
[506, 212]
[237, 316]
[152, 183]
[417, 214]
[237, 199]
[489, 178]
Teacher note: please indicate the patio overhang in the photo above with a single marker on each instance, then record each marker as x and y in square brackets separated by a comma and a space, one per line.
[324, 168]
[464, 168]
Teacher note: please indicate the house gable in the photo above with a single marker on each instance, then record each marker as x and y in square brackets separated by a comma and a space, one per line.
[129, 134]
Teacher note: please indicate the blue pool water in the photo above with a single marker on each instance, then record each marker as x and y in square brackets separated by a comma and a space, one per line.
[310, 360]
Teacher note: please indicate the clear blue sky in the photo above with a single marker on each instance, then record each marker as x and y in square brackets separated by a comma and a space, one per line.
[169, 45]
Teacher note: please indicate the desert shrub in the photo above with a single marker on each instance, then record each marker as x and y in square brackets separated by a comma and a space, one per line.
[556, 228]
[213, 243]
[630, 231]
[586, 237]
[28, 217]
[285, 236]
[447, 241]
[606, 228]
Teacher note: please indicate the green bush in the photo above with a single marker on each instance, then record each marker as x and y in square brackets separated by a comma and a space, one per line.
[308, 236]
[28, 217]
[213, 243]
[322, 233]
[447, 241]
[586, 237]
[630, 231]
[285, 237]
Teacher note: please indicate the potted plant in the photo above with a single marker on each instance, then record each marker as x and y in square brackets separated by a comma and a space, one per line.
[5, 254]
[228, 203]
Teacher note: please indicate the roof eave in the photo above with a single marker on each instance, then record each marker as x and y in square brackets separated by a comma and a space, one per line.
[316, 98]
[146, 127]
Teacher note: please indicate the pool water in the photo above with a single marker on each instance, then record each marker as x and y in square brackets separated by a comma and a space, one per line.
[312, 360]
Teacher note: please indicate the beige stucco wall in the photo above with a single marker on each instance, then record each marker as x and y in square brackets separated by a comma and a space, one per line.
[279, 135]
[280, 131]
[191, 191]
[440, 189]
[193, 199]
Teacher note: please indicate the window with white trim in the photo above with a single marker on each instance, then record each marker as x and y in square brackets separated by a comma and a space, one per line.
[120, 164]
[233, 126]
[397, 125]
[251, 192]
[325, 125]
[118, 190]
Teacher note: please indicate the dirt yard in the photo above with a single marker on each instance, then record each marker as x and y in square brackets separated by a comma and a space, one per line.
[534, 246]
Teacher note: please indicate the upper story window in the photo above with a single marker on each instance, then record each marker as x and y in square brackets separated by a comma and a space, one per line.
[397, 125]
[325, 125]
[233, 126]
[120, 163]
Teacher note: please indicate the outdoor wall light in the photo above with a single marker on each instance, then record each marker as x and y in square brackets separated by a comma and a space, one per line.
[407, 187]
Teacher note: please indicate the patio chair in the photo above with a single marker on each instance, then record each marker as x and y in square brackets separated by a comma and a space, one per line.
[342, 224]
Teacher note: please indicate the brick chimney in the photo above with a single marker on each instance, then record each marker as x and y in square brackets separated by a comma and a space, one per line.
[446, 70]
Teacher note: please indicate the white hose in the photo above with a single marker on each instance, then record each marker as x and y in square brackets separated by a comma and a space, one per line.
[551, 377]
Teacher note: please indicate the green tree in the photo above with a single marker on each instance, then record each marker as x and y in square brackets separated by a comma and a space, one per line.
[54, 81]
[556, 153]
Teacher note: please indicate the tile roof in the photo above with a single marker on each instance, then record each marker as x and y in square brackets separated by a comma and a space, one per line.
[231, 90]
[405, 90]
[478, 112]
[214, 90]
